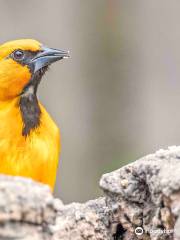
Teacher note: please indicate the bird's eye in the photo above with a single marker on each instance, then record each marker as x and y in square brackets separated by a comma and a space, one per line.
[18, 54]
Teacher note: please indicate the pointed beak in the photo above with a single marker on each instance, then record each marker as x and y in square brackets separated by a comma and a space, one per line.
[48, 56]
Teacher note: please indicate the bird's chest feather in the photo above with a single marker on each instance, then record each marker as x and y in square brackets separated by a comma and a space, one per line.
[34, 155]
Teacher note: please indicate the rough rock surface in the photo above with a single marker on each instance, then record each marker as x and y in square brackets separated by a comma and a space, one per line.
[144, 195]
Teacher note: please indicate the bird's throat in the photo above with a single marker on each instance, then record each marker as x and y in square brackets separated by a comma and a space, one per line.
[29, 107]
[30, 111]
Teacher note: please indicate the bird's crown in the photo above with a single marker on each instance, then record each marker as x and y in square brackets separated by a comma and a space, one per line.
[22, 44]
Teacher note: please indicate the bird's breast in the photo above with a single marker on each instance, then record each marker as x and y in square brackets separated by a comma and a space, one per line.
[35, 155]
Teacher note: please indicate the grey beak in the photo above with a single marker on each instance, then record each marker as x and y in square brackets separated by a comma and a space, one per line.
[48, 56]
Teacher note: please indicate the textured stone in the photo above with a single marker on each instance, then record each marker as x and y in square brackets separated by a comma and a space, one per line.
[145, 193]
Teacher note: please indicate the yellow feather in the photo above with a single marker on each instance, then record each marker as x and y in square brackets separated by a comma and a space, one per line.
[35, 156]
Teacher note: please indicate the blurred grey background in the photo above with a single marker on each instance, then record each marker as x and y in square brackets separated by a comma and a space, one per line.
[117, 98]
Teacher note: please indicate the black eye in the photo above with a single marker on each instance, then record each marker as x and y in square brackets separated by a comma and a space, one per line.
[18, 54]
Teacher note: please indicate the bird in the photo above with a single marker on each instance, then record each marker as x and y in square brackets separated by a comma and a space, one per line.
[29, 138]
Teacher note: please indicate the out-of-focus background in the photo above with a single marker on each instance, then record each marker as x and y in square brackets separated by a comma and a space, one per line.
[118, 97]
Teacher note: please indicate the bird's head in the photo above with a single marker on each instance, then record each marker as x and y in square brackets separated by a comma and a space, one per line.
[22, 65]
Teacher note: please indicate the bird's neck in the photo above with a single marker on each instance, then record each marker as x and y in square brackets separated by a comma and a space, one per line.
[22, 113]
[30, 111]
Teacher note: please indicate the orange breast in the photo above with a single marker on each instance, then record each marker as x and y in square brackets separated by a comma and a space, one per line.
[35, 156]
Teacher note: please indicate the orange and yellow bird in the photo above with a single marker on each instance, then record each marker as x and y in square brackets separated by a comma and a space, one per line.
[29, 138]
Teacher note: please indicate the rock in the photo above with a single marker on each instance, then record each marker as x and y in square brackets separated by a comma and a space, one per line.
[141, 201]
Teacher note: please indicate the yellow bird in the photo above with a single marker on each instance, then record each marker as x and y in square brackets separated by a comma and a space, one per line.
[29, 138]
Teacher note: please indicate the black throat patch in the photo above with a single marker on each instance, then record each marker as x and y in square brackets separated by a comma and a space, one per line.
[28, 104]
[30, 111]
